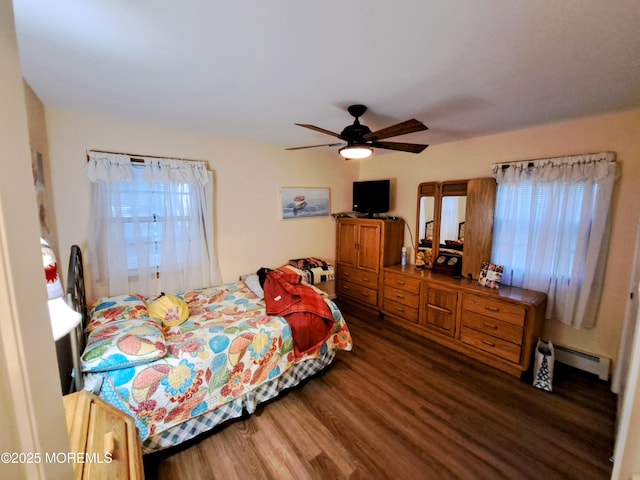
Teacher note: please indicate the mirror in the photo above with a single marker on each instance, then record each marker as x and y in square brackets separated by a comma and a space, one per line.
[452, 219]
[442, 211]
[461, 216]
[427, 221]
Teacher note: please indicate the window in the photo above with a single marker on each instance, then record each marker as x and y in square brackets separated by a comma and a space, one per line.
[141, 210]
[150, 232]
[550, 230]
[139, 213]
[539, 209]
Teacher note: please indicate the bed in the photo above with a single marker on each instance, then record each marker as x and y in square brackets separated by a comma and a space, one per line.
[180, 380]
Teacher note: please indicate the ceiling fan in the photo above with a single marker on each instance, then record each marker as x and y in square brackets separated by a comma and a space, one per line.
[361, 140]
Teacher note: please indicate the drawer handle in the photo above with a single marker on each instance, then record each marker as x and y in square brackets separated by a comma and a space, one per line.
[400, 283]
[400, 309]
[492, 309]
[439, 309]
[364, 294]
[399, 296]
[490, 325]
[346, 274]
[109, 443]
[490, 344]
[365, 279]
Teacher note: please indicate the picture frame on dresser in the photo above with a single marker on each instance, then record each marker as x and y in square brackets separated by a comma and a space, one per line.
[490, 275]
[428, 230]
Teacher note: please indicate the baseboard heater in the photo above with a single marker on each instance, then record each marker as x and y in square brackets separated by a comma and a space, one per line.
[584, 361]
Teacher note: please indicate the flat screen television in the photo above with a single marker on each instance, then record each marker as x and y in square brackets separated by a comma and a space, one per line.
[371, 196]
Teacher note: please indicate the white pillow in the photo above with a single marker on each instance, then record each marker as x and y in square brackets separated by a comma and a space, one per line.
[253, 282]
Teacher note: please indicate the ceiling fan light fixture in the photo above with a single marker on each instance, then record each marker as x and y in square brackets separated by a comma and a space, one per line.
[360, 139]
[356, 152]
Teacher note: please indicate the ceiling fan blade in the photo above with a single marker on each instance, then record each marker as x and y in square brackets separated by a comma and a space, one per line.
[408, 126]
[318, 129]
[314, 146]
[402, 147]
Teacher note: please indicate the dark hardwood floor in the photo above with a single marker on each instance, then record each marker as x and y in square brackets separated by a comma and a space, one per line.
[400, 407]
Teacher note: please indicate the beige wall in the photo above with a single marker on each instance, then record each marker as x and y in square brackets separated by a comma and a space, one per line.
[32, 418]
[619, 133]
[250, 233]
[38, 142]
[249, 230]
[39, 146]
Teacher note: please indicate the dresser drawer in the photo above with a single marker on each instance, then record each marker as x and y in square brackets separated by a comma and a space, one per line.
[494, 308]
[353, 275]
[401, 282]
[358, 292]
[399, 310]
[495, 346]
[490, 326]
[401, 296]
[439, 309]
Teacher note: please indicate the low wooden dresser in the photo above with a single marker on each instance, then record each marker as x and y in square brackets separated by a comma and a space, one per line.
[104, 439]
[498, 327]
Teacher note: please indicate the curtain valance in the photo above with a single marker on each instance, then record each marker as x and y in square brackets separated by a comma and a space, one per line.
[593, 166]
[108, 167]
[116, 167]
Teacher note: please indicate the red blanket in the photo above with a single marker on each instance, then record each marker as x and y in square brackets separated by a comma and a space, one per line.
[304, 310]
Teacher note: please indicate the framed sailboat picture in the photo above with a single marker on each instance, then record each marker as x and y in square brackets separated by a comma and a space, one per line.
[303, 202]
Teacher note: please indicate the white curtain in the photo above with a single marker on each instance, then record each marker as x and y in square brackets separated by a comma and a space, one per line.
[127, 252]
[551, 230]
[449, 219]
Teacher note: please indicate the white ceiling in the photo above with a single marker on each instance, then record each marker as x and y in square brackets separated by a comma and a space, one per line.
[251, 69]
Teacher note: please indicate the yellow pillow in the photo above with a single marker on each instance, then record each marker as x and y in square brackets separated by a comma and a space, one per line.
[171, 310]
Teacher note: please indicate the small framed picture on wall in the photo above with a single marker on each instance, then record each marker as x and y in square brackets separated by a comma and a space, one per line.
[303, 202]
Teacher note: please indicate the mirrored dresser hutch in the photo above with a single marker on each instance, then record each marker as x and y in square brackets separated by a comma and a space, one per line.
[439, 298]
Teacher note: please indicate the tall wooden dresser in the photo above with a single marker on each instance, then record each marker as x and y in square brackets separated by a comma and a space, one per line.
[364, 247]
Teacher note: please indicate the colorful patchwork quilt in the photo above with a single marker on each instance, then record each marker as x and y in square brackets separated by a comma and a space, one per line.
[166, 375]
